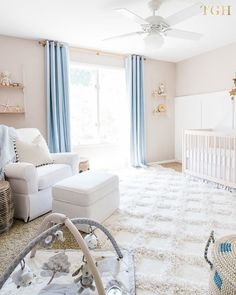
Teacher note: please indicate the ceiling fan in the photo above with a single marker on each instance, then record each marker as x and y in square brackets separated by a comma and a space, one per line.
[155, 28]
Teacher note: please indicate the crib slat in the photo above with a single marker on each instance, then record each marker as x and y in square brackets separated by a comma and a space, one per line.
[215, 154]
[184, 149]
[225, 158]
[198, 146]
[212, 154]
[230, 159]
[234, 180]
[204, 153]
[201, 154]
[194, 152]
[189, 150]
[220, 144]
[190, 153]
[207, 154]
[192, 149]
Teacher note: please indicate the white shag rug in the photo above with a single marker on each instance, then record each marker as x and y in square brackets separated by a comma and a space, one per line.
[166, 218]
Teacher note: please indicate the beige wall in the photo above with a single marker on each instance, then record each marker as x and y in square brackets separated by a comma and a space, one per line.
[209, 72]
[25, 60]
[160, 127]
[91, 57]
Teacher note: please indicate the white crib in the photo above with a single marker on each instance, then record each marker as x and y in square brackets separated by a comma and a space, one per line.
[211, 155]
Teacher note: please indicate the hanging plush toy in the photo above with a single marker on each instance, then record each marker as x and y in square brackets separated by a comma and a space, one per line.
[91, 241]
[22, 277]
[48, 242]
[85, 279]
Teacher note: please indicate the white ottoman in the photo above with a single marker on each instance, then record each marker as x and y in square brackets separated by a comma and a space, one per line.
[91, 194]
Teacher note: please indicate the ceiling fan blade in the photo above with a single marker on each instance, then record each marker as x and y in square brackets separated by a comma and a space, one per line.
[132, 16]
[183, 34]
[184, 14]
[123, 36]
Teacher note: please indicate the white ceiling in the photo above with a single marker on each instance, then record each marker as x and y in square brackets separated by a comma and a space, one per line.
[85, 23]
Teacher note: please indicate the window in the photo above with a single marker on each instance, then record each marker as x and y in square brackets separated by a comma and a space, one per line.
[98, 104]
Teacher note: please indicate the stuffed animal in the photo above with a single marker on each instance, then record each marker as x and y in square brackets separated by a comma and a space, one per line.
[161, 89]
[48, 242]
[60, 236]
[85, 279]
[161, 108]
[91, 240]
[5, 78]
[22, 277]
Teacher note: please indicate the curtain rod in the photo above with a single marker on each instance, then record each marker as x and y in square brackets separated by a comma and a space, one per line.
[96, 52]
[99, 52]
[43, 42]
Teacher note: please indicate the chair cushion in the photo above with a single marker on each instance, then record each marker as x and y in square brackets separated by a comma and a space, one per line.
[27, 134]
[33, 153]
[85, 188]
[51, 174]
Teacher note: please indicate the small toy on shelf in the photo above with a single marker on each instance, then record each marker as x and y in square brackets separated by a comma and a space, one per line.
[161, 108]
[18, 109]
[5, 78]
[160, 91]
[5, 107]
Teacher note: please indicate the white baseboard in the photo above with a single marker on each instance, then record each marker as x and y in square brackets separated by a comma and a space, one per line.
[163, 162]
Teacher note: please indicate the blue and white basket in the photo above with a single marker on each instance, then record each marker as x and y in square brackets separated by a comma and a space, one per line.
[223, 265]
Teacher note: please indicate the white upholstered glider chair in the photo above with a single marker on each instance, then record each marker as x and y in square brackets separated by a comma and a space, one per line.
[32, 186]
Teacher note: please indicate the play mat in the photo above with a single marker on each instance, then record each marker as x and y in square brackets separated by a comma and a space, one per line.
[89, 270]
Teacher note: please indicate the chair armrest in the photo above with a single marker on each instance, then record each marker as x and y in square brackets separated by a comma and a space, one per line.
[71, 159]
[23, 177]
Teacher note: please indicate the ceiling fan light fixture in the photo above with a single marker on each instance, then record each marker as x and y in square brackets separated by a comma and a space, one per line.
[154, 40]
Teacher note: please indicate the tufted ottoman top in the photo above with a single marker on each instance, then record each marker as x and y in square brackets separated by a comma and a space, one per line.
[85, 188]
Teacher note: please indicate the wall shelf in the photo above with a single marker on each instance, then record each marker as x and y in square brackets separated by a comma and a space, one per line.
[156, 95]
[12, 87]
[13, 113]
[12, 100]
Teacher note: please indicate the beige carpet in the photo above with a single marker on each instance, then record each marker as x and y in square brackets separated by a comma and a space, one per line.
[13, 241]
[21, 233]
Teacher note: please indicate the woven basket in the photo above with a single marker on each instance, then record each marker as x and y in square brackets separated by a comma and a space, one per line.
[223, 265]
[6, 206]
